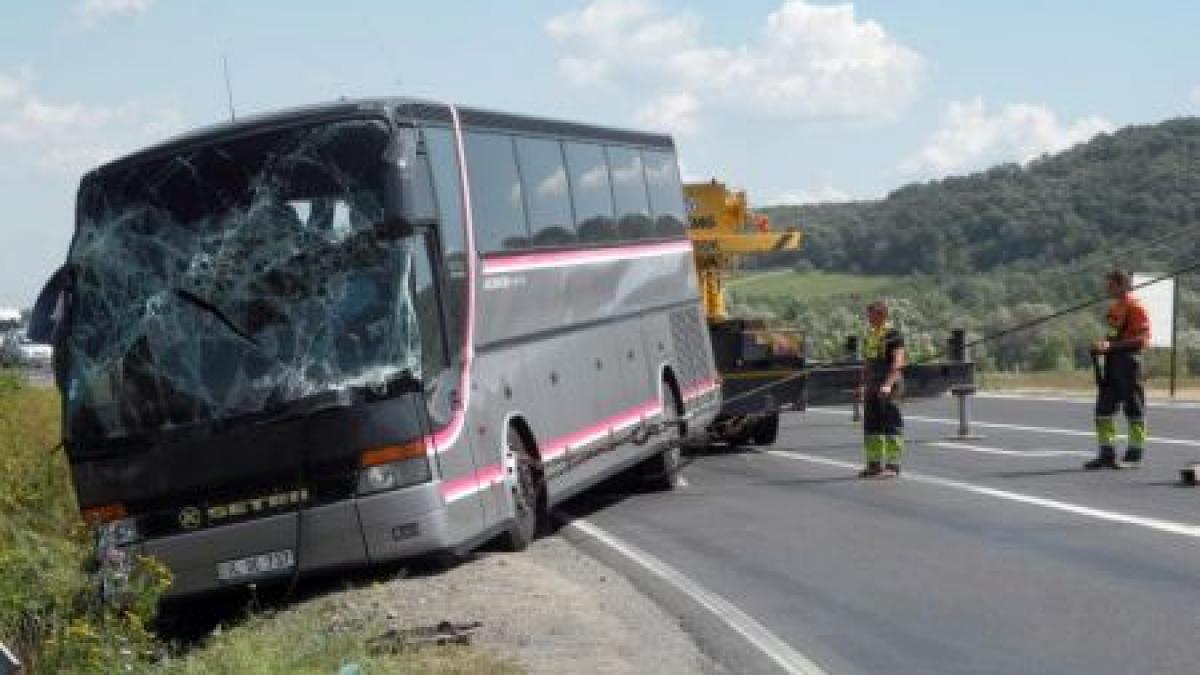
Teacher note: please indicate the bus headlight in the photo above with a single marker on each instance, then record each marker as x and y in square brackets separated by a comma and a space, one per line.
[392, 467]
[117, 533]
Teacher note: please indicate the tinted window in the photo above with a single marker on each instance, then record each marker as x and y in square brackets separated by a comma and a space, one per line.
[629, 193]
[496, 205]
[666, 194]
[443, 160]
[423, 291]
[590, 192]
[544, 182]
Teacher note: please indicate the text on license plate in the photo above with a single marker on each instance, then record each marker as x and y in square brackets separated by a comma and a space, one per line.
[256, 565]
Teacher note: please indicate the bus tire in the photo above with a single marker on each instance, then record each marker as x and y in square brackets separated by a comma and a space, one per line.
[662, 470]
[766, 429]
[528, 494]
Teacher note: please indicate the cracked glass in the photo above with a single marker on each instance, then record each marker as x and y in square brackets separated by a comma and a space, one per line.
[236, 277]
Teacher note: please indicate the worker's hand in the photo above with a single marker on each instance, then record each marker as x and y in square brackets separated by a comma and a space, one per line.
[1100, 346]
[885, 390]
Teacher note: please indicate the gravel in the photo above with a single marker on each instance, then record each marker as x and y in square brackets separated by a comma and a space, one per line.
[551, 608]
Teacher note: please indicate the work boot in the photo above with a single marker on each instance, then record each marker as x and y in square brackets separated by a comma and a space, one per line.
[1132, 458]
[871, 470]
[890, 471]
[1107, 459]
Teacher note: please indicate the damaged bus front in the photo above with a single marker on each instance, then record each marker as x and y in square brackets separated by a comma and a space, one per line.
[243, 327]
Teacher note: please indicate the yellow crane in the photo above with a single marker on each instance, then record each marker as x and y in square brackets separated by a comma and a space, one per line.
[763, 367]
[749, 353]
[723, 230]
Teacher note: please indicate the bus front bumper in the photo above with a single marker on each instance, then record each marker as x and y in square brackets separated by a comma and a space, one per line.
[352, 533]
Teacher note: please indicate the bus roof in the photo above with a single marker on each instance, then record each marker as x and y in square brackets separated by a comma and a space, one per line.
[416, 109]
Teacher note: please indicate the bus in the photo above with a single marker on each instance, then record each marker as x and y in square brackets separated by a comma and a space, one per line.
[371, 330]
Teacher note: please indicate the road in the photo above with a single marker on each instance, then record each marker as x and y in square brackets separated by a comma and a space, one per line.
[996, 555]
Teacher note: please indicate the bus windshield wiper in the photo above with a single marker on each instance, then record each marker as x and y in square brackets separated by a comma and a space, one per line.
[399, 382]
[207, 306]
[308, 406]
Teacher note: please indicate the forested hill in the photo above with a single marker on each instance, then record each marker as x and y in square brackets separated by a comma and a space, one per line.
[1138, 183]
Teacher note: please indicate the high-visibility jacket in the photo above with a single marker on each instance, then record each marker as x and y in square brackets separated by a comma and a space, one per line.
[1128, 320]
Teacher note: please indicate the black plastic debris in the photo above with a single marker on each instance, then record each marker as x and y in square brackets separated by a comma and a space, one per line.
[398, 640]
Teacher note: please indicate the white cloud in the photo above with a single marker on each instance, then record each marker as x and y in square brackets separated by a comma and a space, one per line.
[675, 113]
[823, 194]
[69, 137]
[972, 137]
[1195, 97]
[808, 61]
[91, 10]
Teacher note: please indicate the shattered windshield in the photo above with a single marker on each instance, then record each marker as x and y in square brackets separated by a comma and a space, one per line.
[236, 277]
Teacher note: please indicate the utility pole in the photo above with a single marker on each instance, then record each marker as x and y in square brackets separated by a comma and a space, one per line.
[1174, 332]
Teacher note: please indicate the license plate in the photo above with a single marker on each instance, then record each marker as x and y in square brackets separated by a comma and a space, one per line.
[256, 565]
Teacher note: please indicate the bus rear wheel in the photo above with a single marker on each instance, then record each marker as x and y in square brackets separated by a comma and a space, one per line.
[662, 470]
[528, 493]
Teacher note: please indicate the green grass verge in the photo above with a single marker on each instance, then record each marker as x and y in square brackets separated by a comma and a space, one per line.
[806, 286]
[307, 638]
[51, 616]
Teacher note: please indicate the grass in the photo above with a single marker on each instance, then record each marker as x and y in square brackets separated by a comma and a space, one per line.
[307, 638]
[51, 616]
[806, 285]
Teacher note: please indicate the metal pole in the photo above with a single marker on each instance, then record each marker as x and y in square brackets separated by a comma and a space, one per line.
[1174, 331]
[964, 417]
[850, 352]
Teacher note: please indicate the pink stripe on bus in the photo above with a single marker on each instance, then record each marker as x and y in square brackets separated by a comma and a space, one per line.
[529, 261]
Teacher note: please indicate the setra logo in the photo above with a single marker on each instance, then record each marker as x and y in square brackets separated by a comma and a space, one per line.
[191, 517]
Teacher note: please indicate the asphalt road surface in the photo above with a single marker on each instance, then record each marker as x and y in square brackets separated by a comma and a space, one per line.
[995, 555]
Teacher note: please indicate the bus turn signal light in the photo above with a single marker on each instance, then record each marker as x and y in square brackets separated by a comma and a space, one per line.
[96, 515]
[392, 453]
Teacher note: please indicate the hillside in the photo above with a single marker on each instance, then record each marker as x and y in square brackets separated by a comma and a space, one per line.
[1006, 245]
[1136, 184]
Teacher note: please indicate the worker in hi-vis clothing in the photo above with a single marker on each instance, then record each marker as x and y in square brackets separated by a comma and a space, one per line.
[1120, 380]
[879, 389]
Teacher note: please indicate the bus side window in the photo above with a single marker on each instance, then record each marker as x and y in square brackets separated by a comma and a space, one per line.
[425, 302]
[544, 183]
[496, 203]
[443, 160]
[629, 194]
[591, 193]
[666, 193]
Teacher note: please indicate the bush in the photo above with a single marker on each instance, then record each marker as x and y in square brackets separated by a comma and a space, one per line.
[50, 611]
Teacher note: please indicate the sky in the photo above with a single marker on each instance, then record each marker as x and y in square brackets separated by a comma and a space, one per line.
[793, 100]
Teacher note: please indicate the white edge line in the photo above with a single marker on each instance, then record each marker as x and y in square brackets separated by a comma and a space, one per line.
[1002, 451]
[1083, 398]
[1152, 439]
[1168, 526]
[757, 634]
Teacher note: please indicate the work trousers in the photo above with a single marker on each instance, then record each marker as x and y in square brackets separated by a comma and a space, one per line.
[883, 426]
[1121, 387]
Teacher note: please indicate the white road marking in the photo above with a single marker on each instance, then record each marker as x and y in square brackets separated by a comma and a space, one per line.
[1152, 440]
[1169, 526]
[1040, 452]
[757, 634]
[1089, 400]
